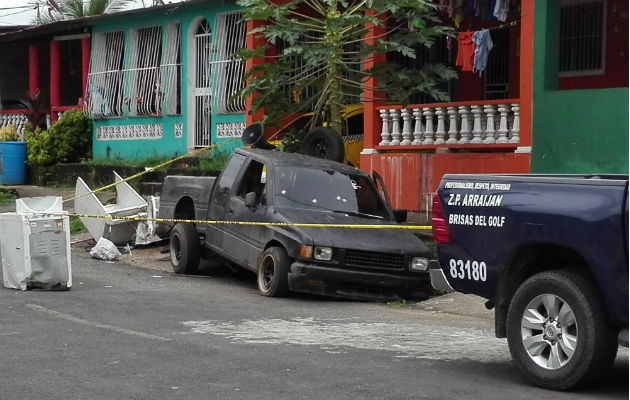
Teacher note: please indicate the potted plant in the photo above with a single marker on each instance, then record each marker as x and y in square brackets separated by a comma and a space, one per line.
[12, 157]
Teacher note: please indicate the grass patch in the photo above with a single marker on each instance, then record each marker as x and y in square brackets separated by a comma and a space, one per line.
[7, 196]
[76, 226]
[400, 303]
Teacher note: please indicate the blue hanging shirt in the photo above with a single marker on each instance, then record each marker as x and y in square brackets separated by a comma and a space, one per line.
[484, 44]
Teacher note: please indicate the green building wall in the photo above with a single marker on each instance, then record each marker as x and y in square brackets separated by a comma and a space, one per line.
[168, 145]
[573, 131]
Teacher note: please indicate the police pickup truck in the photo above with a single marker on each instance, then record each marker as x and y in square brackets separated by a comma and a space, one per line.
[259, 188]
[550, 253]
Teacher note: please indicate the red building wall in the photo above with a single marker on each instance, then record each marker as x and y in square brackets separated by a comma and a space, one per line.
[411, 178]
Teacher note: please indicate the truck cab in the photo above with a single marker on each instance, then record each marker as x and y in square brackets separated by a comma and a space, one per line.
[295, 221]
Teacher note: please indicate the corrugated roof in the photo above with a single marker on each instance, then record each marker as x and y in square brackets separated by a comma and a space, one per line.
[74, 25]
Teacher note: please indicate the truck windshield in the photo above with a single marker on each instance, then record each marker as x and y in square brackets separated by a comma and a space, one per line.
[327, 190]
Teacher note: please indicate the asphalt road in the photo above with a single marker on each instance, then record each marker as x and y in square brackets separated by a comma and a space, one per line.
[125, 332]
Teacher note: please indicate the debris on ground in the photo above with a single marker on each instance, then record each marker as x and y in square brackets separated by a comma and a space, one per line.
[105, 250]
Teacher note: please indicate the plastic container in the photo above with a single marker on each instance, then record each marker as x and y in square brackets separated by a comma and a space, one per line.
[13, 163]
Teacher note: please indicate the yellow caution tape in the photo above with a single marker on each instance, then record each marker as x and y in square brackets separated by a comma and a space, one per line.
[283, 224]
[147, 170]
[208, 222]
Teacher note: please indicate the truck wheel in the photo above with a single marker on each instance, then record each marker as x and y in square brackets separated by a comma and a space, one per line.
[184, 247]
[323, 142]
[557, 330]
[273, 271]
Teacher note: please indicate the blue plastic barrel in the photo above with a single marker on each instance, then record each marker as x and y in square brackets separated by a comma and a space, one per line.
[13, 163]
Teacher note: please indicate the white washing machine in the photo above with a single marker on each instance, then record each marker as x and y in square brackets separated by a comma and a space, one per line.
[35, 245]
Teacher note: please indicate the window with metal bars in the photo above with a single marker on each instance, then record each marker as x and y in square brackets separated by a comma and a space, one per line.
[582, 37]
[143, 76]
[228, 72]
[152, 83]
[104, 93]
[171, 69]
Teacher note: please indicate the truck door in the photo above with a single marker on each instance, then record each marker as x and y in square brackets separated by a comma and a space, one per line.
[247, 203]
[219, 198]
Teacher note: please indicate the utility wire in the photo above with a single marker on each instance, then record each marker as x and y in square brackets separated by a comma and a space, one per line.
[17, 7]
[14, 13]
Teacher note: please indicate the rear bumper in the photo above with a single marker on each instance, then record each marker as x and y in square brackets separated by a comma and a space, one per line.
[353, 284]
[438, 279]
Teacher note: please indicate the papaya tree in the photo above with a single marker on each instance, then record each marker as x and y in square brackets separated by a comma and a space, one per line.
[320, 50]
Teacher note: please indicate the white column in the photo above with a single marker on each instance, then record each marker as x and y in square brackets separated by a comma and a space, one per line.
[440, 132]
[465, 133]
[490, 110]
[394, 115]
[428, 133]
[503, 124]
[406, 131]
[452, 125]
[418, 128]
[385, 137]
[477, 132]
[516, 125]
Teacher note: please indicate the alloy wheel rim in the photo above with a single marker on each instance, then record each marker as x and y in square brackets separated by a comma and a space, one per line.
[549, 331]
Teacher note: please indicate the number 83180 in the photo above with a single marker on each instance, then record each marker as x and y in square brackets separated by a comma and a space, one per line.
[466, 269]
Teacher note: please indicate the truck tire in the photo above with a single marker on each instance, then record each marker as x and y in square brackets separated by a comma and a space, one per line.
[273, 273]
[323, 142]
[557, 331]
[184, 248]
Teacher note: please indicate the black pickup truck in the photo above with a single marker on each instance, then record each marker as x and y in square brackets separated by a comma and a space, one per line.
[550, 253]
[264, 186]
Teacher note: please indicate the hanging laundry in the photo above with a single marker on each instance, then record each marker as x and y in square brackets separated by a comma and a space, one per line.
[483, 45]
[465, 51]
[490, 10]
[458, 18]
[501, 9]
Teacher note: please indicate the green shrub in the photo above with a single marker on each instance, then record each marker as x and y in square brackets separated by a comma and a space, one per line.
[214, 163]
[292, 141]
[9, 133]
[7, 196]
[68, 140]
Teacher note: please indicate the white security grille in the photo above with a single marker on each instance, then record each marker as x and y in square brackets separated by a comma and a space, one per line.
[202, 89]
[230, 37]
[582, 37]
[170, 70]
[105, 80]
[143, 77]
[151, 82]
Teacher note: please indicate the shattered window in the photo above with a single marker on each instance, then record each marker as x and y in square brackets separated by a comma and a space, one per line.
[327, 190]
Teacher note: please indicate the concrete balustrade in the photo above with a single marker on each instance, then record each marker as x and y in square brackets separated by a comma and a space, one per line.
[484, 122]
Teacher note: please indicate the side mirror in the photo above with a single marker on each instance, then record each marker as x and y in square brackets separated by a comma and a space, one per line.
[250, 200]
[400, 215]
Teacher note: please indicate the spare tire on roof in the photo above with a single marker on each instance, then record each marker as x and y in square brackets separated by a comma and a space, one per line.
[323, 142]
